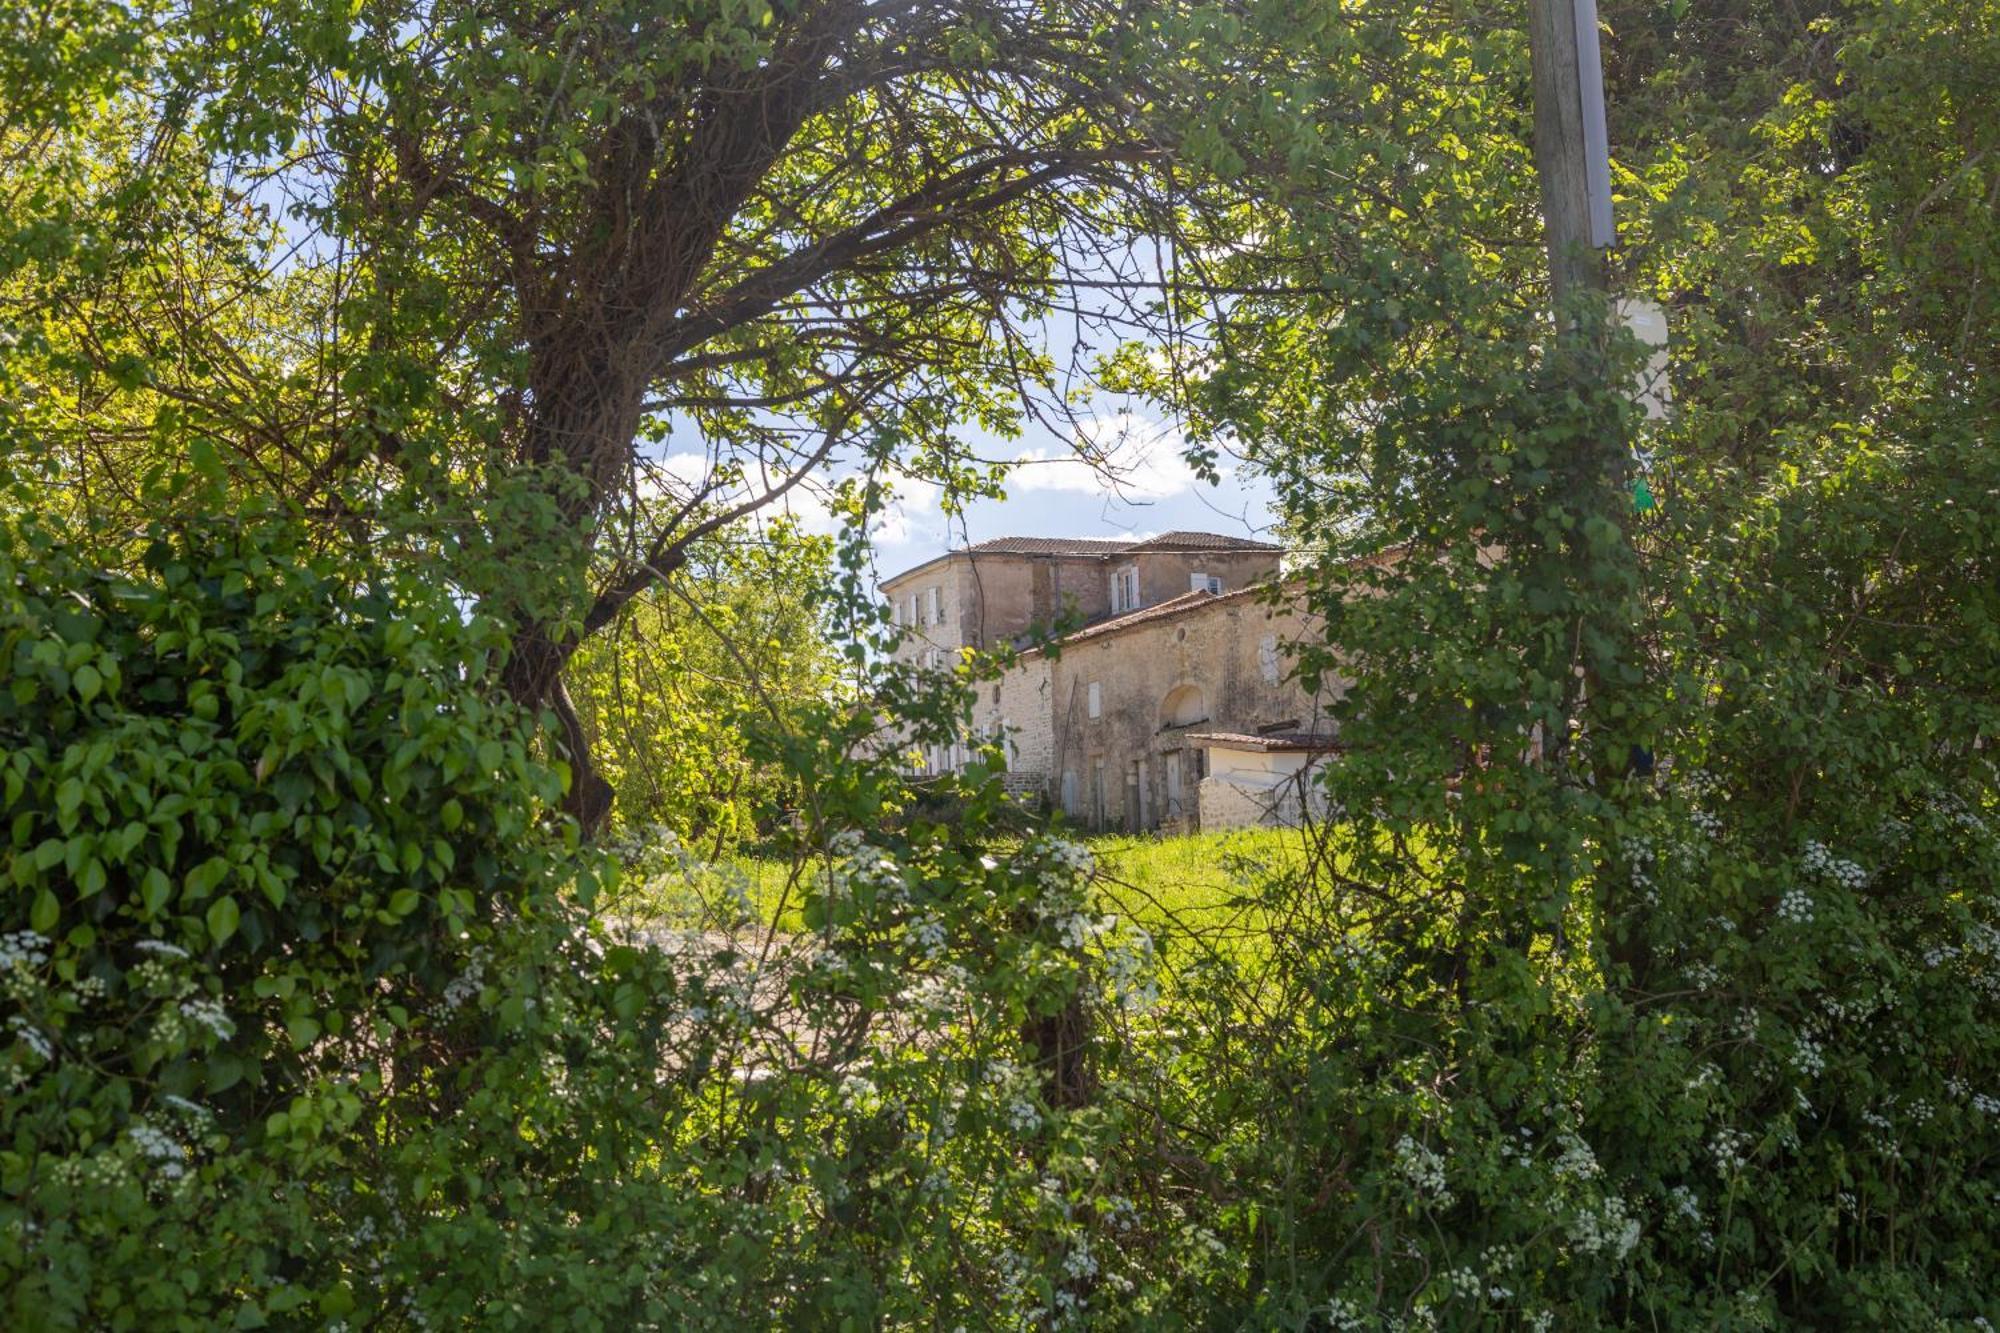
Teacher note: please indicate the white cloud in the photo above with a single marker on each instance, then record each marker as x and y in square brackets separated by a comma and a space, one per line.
[1121, 455]
[910, 515]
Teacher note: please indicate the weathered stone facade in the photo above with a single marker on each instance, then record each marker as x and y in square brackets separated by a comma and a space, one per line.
[1182, 649]
[1009, 591]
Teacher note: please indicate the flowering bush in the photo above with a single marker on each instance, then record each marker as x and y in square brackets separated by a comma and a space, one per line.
[1648, 979]
[308, 988]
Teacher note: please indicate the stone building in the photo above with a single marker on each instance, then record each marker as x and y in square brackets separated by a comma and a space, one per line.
[1166, 702]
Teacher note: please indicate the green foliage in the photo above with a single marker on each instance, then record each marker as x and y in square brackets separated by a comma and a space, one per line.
[1653, 981]
[302, 991]
[260, 821]
[668, 693]
[1646, 977]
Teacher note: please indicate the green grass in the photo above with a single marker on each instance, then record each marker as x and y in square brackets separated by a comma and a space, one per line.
[1194, 879]
[1167, 885]
[1196, 891]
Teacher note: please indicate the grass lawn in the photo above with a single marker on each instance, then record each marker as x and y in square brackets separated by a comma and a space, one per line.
[1197, 881]
[1167, 885]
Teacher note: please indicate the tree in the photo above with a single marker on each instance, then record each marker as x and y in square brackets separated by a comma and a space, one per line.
[452, 277]
[669, 691]
[1650, 976]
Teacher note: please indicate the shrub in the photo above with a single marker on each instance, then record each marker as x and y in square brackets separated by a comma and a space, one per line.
[264, 829]
[317, 1014]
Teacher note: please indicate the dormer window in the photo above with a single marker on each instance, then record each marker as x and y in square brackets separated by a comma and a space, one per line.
[1207, 583]
[1125, 589]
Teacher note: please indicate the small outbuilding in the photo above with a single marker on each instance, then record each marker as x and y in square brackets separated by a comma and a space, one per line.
[1262, 778]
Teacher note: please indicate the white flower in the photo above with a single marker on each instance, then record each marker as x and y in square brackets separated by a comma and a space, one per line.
[1080, 1263]
[162, 948]
[1796, 906]
[1423, 1169]
[929, 936]
[1609, 1227]
[1576, 1161]
[1819, 861]
[1729, 1147]
[1344, 1316]
[1130, 968]
[23, 949]
[857, 1093]
[161, 1148]
[32, 1037]
[466, 985]
[210, 1015]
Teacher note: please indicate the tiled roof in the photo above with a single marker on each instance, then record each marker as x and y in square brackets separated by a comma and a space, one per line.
[1268, 742]
[1051, 546]
[1199, 541]
[1092, 548]
[1166, 541]
[1173, 606]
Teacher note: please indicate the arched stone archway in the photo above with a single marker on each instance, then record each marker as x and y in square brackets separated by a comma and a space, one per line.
[1184, 706]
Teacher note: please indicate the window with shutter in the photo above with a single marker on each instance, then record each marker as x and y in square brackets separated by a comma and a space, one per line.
[1125, 589]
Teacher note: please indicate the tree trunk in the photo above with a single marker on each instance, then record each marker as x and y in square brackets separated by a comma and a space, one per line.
[533, 678]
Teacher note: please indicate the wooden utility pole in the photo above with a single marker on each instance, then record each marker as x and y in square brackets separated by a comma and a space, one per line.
[1573, 161]
[1571, 152]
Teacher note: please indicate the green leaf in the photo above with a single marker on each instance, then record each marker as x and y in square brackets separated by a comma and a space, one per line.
[223, 918]
[46, 912]
[155, 891]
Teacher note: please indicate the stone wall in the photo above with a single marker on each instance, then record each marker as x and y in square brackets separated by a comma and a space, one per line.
[1018, 704]
[1164, 575]
[1212, 665]
[992, 598]
[1101, 726]
[1249, 789]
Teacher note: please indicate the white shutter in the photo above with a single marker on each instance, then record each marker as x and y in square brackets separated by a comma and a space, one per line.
[1125, 589]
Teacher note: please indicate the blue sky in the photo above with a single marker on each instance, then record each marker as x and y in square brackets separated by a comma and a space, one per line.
[1051, 492]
